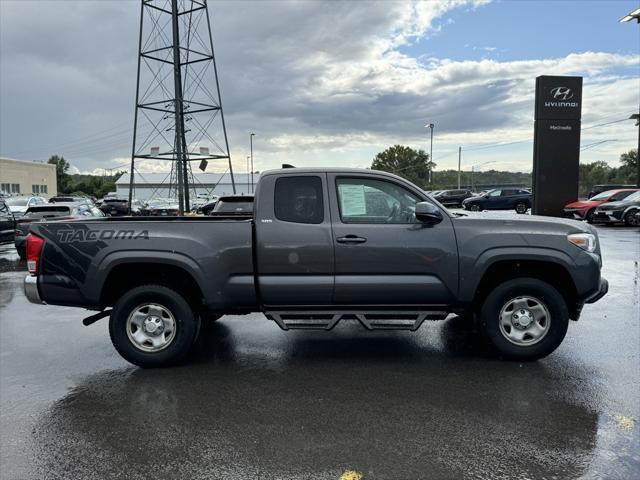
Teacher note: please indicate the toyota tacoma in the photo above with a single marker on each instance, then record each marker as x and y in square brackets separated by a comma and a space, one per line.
[321, 246]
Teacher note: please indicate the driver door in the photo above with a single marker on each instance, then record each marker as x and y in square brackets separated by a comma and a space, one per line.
[383, 255]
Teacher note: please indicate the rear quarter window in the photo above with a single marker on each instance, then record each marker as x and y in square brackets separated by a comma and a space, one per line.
[299, 199]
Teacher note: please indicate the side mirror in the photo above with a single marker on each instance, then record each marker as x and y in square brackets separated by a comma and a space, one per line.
[428, 213]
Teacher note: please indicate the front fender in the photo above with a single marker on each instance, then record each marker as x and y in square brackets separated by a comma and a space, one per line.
[473, 270]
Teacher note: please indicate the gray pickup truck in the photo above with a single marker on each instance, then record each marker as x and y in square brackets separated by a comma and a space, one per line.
[322, 245]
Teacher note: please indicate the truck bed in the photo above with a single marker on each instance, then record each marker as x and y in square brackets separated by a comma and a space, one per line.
[78, 256]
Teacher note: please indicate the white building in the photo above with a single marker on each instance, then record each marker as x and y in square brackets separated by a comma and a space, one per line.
[27, 177]
[156, 185]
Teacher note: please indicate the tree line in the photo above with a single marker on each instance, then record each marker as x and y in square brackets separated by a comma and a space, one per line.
[82, 185]
[415, 166]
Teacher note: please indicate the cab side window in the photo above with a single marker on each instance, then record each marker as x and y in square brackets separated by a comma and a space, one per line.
[365, 200]
[299, 199]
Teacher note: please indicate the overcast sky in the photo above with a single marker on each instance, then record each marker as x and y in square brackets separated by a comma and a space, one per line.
[327, 83]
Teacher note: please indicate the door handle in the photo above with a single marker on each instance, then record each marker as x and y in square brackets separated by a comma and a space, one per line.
[351, 239]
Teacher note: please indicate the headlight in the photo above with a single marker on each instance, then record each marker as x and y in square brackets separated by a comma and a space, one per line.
[585, 241]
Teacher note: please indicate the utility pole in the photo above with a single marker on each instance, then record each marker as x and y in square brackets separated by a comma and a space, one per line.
[636, 117]
[177, 82]
[251, 135]
[473, 188]
[430, 126]
[459, 162]
[179, 125]
[248, 177]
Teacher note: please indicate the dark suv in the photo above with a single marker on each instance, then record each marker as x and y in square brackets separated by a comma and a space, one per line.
[7, 222]
[621, 211]
[452, 198]
[516, 199]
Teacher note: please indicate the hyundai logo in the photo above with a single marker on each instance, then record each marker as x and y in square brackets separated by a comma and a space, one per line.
[562, 93]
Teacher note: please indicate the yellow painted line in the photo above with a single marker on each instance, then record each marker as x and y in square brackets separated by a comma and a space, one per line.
[624, 422]
[351, 475]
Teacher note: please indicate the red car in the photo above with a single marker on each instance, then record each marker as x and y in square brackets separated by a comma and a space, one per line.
[583, 210]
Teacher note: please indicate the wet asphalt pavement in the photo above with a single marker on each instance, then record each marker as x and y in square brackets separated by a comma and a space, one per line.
[257, 402]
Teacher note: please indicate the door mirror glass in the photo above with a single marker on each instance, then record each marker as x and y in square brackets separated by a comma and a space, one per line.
[428, 213]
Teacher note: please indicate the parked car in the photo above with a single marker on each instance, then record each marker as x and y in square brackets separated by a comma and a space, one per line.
[118, 207]
[452, 198]
[19, 205]
[584, 209]
[67, 199]
[162, 208]
[597, 189]
[48, 212]
[7, 222]
[623, 211]
[233, 205]
[201, 200]
[312, 254]
[207, 207]
[516, 199]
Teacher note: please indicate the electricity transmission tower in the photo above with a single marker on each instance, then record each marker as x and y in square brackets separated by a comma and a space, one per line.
[178, 112]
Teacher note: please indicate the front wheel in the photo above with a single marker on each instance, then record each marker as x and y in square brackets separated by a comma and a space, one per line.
[153, 326]
[589, 216]
[524, 319]
[521, 208]
[631, 219]
[474, 207]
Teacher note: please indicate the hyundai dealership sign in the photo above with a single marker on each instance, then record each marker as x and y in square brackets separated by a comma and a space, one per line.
[556, 145]
[559, 97]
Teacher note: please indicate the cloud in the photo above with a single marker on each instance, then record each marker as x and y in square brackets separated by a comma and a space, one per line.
[319, 82]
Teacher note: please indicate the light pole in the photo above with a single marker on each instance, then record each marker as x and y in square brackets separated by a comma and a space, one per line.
[251, 135]
[459, 162]
[430, 127]
[248, 158]
[635, 15]
[636, 117]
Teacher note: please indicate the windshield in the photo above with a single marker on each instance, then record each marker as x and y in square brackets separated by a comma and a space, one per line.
[633, 197]
[47, 212]
[17, 202]
[602, 196]
[231, 206]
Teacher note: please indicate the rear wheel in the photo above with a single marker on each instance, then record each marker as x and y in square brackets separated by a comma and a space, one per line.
[521, 207]
[631, 218]
[524, 319]
[153, 326]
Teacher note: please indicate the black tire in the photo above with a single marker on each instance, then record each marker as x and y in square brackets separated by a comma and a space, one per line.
[210, 317]
[630, 218]
[474, 207]
[547, 295]
[589, 216]
[187, 326]
[521, 207]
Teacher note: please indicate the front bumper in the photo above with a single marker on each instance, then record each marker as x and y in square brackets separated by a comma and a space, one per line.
[602, 291]
[573, 214]
[609, 216]
[31, 289]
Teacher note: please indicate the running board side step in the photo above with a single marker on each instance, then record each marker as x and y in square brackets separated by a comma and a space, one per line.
[371, 320]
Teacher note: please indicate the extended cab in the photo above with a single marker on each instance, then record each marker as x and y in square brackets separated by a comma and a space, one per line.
[320, 246]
